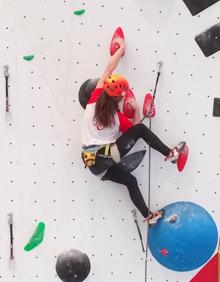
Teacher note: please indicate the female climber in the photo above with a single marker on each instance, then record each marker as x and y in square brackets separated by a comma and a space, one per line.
[108, 132]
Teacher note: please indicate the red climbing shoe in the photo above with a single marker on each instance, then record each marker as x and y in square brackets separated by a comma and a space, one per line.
[178, 155]
[114, 46]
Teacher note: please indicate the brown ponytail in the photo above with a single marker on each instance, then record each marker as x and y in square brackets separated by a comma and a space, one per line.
[105, 109]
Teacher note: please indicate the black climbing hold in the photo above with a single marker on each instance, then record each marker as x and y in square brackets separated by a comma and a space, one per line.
[85, 91]
[197, 6]
[128, 163]
[73, 266]
[209, 40]
[131, 161]
[216, 107]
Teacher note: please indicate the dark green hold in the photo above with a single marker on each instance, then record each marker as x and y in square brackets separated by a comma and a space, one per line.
[36, 238]
[28, 58]
[79, 12]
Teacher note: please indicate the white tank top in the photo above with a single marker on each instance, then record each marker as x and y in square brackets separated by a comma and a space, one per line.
[93, 133]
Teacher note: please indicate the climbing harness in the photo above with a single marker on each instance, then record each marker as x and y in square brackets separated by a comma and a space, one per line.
[115, 154]
[89, 153]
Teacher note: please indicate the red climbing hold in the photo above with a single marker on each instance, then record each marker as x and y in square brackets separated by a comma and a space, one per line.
[114, 46]
[181, 162]
[148, 106]
[164, 252]
[128, 110]
[209, 273]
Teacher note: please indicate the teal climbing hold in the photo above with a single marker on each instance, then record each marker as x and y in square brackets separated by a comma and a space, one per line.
[79, 12]
[28, 58]
[36, 238]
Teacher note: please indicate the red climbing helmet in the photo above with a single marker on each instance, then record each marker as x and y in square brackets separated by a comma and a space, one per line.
[115, 84]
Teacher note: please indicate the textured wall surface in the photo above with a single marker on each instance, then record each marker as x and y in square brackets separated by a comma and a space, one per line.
[42, 176]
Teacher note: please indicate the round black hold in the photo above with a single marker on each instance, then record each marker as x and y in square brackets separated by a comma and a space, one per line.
[85, 91]
[73, 266]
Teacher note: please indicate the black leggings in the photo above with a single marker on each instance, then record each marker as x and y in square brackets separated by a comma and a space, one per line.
[125, 142]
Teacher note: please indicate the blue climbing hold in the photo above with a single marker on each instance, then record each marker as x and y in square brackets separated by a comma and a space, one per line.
[185, 238]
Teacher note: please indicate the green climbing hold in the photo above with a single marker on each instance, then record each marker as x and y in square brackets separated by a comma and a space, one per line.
[28, 58]
[36, 238]
[79, 12]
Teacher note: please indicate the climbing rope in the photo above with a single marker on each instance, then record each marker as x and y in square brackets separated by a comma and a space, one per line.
[160, 64]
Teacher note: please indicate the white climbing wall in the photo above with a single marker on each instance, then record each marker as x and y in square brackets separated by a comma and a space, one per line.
[42, 176]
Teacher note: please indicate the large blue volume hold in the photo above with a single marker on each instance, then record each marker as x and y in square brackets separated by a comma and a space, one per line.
[185, 238]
